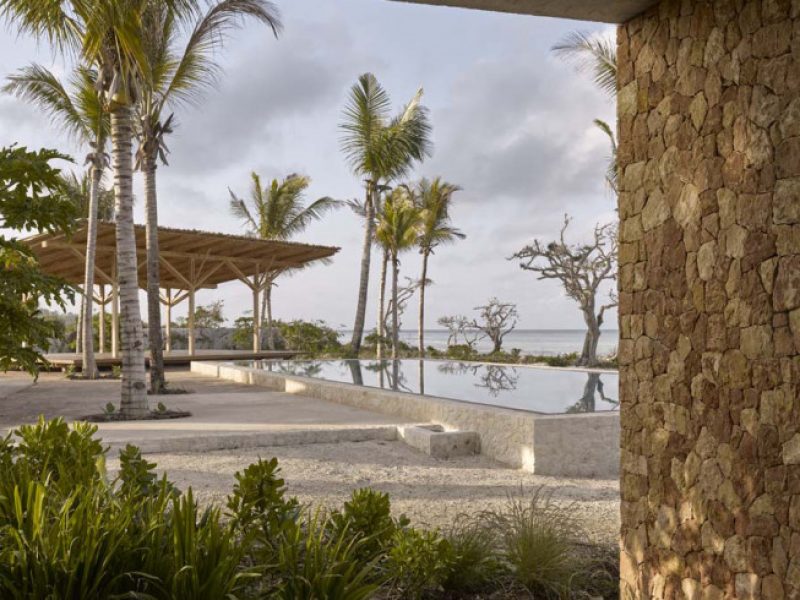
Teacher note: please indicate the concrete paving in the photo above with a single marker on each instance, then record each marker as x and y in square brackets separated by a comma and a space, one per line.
[224, 414]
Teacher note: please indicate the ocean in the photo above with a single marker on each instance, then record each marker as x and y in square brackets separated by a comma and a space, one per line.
[547, 342]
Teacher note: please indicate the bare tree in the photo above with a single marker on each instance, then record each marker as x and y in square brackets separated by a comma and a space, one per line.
[404, 294]
[460, 326]
[498, 319]
[581, 269]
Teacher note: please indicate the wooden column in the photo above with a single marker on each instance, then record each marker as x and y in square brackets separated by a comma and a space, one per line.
[115, 321]
[101, 335]
[256, 320]
[168, 326]
[190, 322]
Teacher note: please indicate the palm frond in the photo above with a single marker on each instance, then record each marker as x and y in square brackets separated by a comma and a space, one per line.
[591, 53]
[365, 117]
[39, 86]
[44, 19]
[611, 171]
[196, 69]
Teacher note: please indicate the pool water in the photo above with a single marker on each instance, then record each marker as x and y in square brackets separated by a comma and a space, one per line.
[542, 390]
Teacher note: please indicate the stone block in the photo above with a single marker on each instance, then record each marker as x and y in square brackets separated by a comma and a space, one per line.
[434, 441]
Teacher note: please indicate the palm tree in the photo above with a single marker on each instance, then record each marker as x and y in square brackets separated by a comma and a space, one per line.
[397, 230]
[109, 36]
[597, 54]
[381, 149]
[594, 53]
[77, 109]
[278, 212]
[433, 199]
[177, 76]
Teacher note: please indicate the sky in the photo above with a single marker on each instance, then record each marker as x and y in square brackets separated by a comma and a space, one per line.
[512, 126]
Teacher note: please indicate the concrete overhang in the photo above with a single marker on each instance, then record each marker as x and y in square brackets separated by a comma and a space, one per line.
[605, 11]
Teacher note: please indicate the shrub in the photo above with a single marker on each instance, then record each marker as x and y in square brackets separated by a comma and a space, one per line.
[311, 337]
[316, 560]
[259, 497]
[461, 352]
[537, 541]
[473, 562]
[418, 561]
[368, 515]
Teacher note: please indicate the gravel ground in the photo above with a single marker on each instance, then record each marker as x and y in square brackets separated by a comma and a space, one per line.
[430, 492]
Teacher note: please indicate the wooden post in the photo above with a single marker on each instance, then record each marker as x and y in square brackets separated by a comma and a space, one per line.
[115, 321]
[256, 317]
[168, 326]
[190, 322]
[102, 320]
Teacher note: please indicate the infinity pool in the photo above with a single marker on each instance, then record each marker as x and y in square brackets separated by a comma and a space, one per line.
[534, 389]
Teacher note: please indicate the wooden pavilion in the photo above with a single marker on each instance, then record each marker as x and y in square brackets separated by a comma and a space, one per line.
[190, 260]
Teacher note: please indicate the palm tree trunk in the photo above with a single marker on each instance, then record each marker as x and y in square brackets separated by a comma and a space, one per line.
[89, 367]
[381, 325]
[395, 330]
[133, 402]
[363, 285]
[421, 323]
[157, 383]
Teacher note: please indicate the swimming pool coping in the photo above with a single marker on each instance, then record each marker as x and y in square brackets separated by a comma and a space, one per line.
[577, 445]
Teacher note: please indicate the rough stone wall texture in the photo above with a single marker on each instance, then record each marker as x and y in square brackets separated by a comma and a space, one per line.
[709, 117]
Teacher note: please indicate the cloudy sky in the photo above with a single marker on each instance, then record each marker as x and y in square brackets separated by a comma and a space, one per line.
[512, 127]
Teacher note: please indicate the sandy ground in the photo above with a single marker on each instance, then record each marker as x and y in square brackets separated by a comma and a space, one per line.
[429, 491]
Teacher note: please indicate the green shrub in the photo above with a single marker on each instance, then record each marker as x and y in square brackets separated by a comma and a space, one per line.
[64, 547]
[461, 352]
[316, 560]
[474, 562]
[259, 498]
[61, 455]
[368, 515]
[537, 539]
[137, 477]
[418, 561]
[203, 556]
[311, 337]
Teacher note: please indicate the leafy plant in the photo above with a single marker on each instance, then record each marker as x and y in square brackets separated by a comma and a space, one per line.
[473, 560]
[203, 554]
[419, 560]
[31, 198]
[368, 515]
[259, 497]
[109, 409]
[537, 539]
[318, 560]
[137, 477]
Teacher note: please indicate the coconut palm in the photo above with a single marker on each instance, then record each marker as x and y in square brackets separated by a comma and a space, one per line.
[77, 110]
[278, 212]
[177, 75]
[380, 149]
[596, 54]
[593, 53]
[109, 36]
[433, 198]
[397, 230]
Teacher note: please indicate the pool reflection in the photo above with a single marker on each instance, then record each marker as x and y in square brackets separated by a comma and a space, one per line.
[520, 387]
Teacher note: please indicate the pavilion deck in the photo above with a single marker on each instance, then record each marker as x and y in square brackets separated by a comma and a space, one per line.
[175, 358]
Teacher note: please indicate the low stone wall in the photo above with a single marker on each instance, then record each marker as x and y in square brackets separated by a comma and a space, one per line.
[585, 445]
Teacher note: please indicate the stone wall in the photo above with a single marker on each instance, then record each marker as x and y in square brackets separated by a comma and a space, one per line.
[709, 117]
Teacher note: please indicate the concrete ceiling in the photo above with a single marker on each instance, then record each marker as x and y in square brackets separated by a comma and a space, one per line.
[606, 11]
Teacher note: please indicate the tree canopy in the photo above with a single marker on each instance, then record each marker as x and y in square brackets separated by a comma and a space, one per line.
[31, 199]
